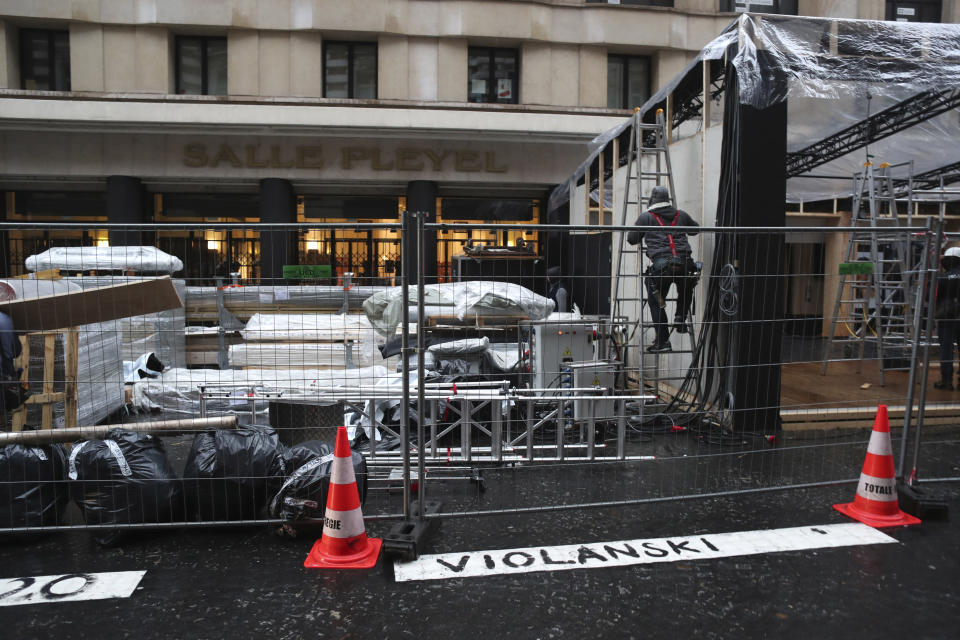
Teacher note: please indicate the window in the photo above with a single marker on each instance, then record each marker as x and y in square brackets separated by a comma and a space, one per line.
[492, 75]
[350, 70]
[201, 65]
[628, 81]
[785, 7]
[44, 60]
[915, 11]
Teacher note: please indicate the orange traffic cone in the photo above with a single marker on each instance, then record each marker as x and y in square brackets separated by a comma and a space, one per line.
[876, 501]
[344, 543]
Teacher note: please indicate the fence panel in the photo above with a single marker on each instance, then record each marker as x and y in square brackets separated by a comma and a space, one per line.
[292, 330]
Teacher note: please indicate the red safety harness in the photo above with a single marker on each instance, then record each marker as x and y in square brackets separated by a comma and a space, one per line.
[673, 245]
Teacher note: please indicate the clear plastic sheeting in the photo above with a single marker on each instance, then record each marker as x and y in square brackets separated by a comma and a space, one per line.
[825, 68]
[135, 259]
[458, 299]
[177, 391]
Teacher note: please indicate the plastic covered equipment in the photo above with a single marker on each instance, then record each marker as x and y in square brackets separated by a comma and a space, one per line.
[33, 491]
[230, 474]
[304, 492]
[125, 478]
[136, 259]
[460, 299]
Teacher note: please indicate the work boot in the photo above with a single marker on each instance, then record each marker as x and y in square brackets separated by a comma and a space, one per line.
[659, 347]
[680, 325]
[943, 384]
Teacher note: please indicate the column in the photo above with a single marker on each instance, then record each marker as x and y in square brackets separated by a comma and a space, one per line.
[278, 204]
[422, 197]
[125, 205]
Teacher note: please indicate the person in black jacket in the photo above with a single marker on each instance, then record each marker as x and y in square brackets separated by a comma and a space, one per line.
[672, 263]
[557, 290]
[947, 314]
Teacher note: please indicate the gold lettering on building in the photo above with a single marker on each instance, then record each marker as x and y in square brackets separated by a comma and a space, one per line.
[252, 161]
[252, 156]
[409, 160]
[376, 164]
[354, 154]
[467, 161]
[276, 160]
[226, 154]
[309, 158]
[195, 155]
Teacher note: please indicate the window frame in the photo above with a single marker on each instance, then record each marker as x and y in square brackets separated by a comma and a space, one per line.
[625, 85]
[204, 63]
[51, 35]
[491, 57]
[351, 59]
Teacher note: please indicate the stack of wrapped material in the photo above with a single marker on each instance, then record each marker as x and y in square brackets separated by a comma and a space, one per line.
[307, 341]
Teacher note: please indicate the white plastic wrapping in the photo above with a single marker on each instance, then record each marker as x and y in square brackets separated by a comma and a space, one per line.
[136, 259]
[177, 390]
[307, 327]
[161, 333]
[304, 355]
[460, 299]
[460, 347]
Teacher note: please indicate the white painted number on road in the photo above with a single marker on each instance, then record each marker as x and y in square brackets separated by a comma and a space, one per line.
[629, 552]
[68, 587]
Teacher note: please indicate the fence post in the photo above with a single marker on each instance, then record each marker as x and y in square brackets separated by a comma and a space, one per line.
[922, 284]
[934, 267]
[421, 269]
[405, 248]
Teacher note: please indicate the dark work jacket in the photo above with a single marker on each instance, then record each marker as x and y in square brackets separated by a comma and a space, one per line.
[658, 242]
[9, 348]
[948, 295]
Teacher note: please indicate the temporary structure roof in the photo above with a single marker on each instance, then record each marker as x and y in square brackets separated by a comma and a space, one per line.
[892, 88]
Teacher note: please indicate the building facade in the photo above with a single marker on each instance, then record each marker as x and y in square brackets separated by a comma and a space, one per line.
[169, 111]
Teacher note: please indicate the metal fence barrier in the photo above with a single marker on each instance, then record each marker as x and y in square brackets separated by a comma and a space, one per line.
[768, 381]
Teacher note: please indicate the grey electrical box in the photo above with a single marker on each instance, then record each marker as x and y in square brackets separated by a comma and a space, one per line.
[553, 343]
[598, 373]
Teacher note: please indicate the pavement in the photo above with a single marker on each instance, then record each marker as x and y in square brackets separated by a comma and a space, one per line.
[250, 583]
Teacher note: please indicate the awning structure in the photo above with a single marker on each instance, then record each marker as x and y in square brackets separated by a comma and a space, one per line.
[852, 87]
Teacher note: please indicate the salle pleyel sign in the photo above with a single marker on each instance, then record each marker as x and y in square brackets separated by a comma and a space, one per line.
[255, 156]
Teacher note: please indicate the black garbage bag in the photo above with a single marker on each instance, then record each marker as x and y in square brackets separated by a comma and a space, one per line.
[231, 474]
[303, 494]
[125, 478]
[33, 491]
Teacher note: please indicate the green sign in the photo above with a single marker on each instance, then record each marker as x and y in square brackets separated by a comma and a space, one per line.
[307, 271]
[856, 268]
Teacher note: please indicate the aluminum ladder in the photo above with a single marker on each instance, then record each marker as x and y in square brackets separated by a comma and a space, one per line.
[878, 292]
[648, 165]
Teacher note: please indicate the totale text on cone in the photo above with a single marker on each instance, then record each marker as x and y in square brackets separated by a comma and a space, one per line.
[344, 543]
[876, 501]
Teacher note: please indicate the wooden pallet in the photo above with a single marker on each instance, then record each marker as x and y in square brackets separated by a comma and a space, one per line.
[47, 398]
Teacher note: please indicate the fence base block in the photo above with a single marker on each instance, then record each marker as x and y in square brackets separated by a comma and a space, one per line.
[406, 540]
[917, 502]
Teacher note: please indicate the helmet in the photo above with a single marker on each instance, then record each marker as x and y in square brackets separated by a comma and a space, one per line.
[952, 252]
[659, 194]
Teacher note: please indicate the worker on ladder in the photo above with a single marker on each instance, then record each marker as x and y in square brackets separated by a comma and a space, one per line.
[671, 260]
[948, 314]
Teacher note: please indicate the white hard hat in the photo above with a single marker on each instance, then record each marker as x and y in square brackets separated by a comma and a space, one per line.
[952, 252]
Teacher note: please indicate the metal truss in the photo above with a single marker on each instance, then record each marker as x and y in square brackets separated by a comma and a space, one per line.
[903, 115]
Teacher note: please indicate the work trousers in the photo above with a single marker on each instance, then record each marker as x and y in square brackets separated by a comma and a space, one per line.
[664, 273]
[948, 331]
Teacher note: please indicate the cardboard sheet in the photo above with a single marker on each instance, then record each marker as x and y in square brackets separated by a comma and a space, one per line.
[59, 311]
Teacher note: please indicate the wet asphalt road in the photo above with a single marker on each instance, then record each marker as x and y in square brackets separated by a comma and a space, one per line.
[248, 583]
